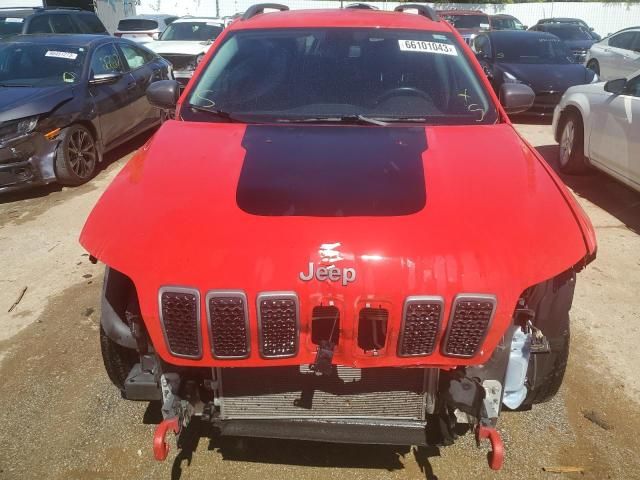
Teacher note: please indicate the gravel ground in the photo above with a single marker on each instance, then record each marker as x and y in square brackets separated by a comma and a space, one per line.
[62, 419]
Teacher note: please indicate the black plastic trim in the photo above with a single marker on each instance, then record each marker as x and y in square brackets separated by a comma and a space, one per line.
[113, 325]
[259, 8]
[424, 10]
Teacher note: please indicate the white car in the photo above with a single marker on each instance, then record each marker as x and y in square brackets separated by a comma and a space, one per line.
[616, 56]
[143, 28]
[185, 42]
[599, 125]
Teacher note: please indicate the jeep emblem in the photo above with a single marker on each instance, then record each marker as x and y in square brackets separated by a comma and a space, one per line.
[333, 274]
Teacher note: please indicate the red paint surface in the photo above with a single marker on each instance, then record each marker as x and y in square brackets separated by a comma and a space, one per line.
[497, 220]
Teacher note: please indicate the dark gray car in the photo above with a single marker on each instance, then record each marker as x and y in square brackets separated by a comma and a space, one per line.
[67, 99]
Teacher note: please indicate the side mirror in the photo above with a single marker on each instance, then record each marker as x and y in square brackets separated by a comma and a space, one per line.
[615, 86]
[104, 78]
[164, 94]
[516, 97]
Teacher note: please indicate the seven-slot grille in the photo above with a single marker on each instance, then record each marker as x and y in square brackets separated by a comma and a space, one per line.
[228, 324]
[468, 325]
[420, 326]
[278, 324]
[180, 317]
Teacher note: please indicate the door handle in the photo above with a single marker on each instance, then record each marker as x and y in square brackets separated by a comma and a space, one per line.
[131, 86]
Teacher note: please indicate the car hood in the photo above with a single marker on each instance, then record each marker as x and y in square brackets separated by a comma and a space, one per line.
[413, 210]
[179, 47]
[548, 77]
[20, 102]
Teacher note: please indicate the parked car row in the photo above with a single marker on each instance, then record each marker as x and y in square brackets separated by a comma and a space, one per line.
[71, 92]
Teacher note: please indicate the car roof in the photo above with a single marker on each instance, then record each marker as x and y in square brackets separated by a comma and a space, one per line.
[516, 33]
[502, 15]
[560, 20]
[348, 18]
[199, 19]
[154, 16]
[16, 12]
[461, 12]
[72, 40]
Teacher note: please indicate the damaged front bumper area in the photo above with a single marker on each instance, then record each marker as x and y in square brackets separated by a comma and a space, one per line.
[25, 161]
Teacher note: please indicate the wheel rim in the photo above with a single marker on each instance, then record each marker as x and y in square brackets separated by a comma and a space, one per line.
[82, 153]
[566, 142]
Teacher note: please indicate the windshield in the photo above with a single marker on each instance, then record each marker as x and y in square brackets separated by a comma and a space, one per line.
[531, 49]
[570, 32]
[37, 65]
[10, 25]
[293, 74]
[192, 31]
[468, 21]
[506, 24]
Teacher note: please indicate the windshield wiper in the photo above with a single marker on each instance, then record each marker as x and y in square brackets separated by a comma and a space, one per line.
[213, 111]
[348, 119]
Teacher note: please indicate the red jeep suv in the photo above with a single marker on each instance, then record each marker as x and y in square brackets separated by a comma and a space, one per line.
[340, 237]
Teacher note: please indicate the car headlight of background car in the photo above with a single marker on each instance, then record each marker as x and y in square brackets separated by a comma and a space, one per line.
[508, 78]
[199, 58]
[17, 128]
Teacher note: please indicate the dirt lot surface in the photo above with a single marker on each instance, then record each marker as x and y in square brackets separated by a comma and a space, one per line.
[62, 419]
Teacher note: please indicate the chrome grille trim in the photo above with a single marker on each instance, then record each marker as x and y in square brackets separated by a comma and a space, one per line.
[420, 300]
[180, 290]
[453, 323]
[266, 296]
[239, 294]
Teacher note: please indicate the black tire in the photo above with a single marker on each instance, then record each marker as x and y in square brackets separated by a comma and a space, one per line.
[571, 156]
[546, 370]
[118, 360]
[77, 156]
[594, 66]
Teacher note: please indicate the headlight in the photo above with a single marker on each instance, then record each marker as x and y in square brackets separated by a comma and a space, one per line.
[17, 128]
[508, 78]
[199, 58]
[595, 78]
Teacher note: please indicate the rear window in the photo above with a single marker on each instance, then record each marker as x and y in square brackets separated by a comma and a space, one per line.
[10, 25]
[91, 24]
[137, 25]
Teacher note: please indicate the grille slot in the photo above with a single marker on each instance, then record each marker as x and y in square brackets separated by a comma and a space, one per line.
[372, 328]
[420, 326]
[278, 324]
[295, 392]
[228, 324]
[325, 324]
[468, 325]
[180, 317]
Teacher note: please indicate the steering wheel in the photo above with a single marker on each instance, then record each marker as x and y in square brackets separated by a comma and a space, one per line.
[395, 92]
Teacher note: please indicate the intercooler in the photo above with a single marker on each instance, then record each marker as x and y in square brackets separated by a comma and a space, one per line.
[296, 393]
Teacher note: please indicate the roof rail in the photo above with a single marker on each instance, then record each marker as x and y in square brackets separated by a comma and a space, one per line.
[423, 10]
[259, 8]
[361, 6]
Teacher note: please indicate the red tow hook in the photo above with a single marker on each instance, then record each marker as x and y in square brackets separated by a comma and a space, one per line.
[160, 445]
[496, 456]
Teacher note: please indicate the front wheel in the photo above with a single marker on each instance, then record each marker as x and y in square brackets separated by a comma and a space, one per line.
[118, 360]
[594, 66]
[571, 157]
[77, 156]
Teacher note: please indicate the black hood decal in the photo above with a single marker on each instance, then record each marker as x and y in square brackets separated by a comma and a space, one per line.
[332, 171]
